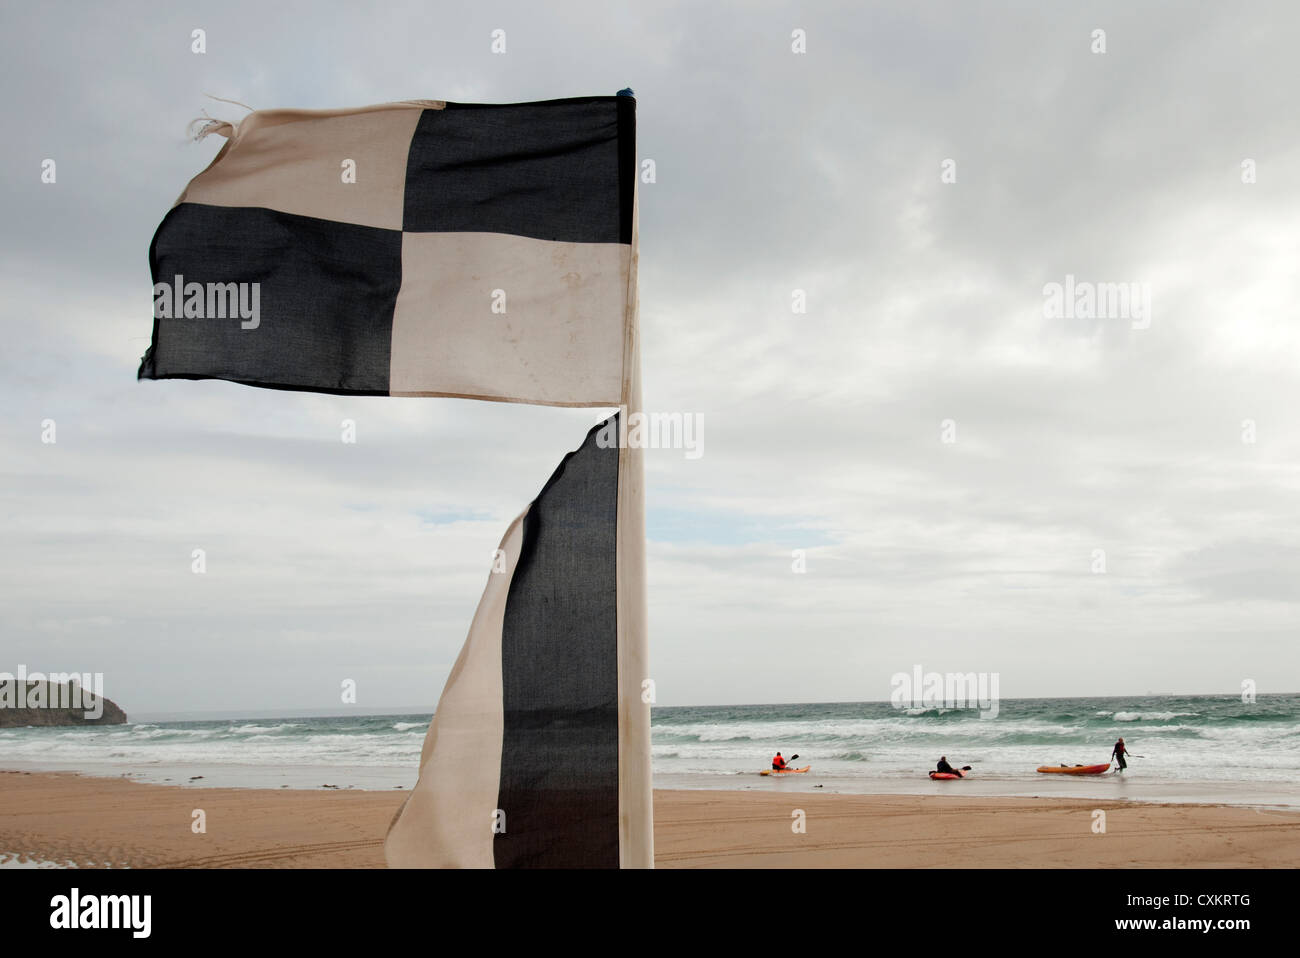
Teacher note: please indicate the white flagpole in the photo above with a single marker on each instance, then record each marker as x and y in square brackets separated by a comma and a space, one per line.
[635, 787]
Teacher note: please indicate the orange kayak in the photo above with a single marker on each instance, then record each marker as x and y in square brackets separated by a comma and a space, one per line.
[785, 771]
[1075, 769]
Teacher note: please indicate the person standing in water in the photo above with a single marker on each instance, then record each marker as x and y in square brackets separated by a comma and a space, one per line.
[1118, 753]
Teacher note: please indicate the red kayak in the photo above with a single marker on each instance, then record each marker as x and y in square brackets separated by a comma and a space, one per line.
[1075, 769]
[957, 774]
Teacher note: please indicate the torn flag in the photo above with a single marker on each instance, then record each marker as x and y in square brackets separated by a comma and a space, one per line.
[520, 766]
[421, 248]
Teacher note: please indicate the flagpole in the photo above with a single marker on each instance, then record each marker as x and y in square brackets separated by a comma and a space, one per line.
[635, 786]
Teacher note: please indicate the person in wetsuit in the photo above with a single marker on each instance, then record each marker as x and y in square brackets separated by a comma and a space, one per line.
[1118, 753]
[943, 766]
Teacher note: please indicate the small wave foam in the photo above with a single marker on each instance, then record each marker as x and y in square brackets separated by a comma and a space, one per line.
[1152, 716]
[14, 860]
[724, 736]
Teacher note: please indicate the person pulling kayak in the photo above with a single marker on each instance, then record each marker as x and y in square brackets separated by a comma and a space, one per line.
[1118, 753]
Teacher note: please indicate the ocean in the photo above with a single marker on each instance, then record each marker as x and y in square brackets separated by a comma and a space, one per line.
[1193, 748]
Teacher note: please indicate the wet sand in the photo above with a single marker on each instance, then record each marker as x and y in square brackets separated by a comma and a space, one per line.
[98, 822]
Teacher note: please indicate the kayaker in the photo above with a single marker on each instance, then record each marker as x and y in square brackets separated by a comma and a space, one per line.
[1118, 753]
[944, 767]
[778, 763]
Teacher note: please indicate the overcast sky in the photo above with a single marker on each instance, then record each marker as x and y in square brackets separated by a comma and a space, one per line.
[775, 171]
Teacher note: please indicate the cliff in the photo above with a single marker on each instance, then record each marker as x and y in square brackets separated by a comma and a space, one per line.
[53, 703]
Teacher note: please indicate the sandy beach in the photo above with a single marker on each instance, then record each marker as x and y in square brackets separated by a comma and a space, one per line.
[97, 822]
